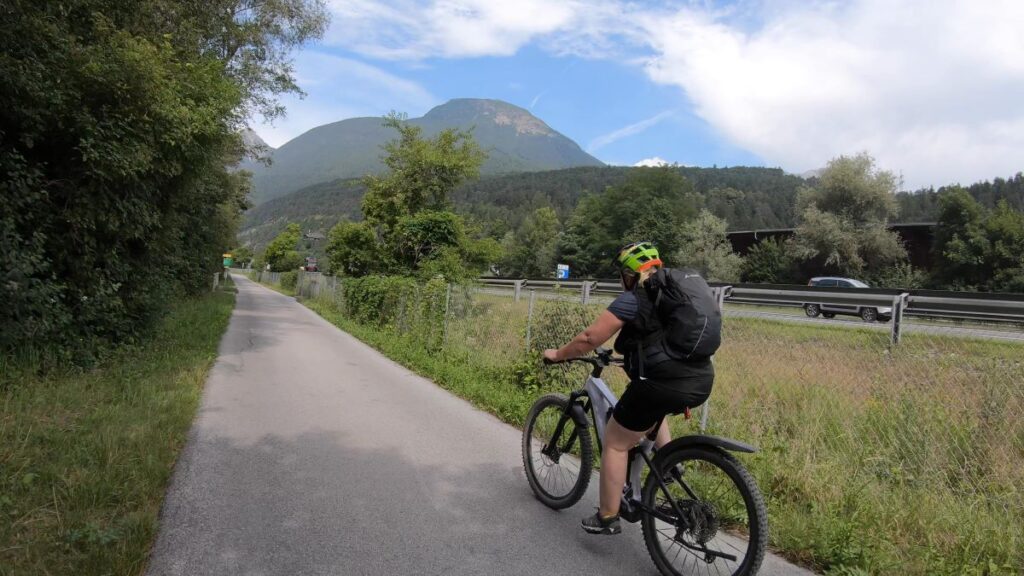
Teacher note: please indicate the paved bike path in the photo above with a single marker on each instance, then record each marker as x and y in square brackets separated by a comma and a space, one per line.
[314, 454]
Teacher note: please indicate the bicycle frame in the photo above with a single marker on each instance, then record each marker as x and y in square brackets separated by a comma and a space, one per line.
[601, 403]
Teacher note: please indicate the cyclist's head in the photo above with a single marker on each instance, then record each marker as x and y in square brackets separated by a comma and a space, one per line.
[637, 257]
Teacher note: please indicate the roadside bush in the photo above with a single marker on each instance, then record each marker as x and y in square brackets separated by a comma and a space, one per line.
[557, 322]
[289, 279]
[901, 276]
[426, 317]
[377, 300]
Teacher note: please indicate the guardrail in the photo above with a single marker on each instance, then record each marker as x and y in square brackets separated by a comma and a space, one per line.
[983, 307]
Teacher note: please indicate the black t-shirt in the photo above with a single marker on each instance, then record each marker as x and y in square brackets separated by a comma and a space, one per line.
[625, 306]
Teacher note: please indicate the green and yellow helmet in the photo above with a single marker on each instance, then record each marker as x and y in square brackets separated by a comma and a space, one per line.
[638, 256]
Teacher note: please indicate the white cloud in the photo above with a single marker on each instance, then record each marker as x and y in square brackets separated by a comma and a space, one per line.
[931, 88]
[652, 162]
[630, 130]
[410, 29]
[341, 88]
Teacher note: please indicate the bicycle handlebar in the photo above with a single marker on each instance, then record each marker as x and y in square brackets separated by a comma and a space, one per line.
[601, 359]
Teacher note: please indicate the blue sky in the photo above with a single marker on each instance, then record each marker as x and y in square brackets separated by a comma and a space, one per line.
[930, 88]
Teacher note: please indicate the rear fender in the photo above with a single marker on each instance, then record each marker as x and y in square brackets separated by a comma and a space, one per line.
[705, 440]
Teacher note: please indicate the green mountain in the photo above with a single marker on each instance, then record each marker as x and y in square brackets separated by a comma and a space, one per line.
[515, 140]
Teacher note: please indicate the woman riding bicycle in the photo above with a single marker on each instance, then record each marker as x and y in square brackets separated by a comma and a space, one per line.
[667, 387]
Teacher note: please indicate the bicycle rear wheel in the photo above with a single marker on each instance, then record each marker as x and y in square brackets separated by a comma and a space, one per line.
[723, 528]
[557, 468]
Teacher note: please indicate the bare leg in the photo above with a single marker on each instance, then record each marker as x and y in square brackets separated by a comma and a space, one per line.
[664, 434]
[617, 442]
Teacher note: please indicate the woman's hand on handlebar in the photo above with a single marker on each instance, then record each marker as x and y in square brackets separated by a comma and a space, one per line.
[551, 356]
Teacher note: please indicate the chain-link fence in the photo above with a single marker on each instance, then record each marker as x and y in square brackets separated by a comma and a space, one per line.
[874, 456]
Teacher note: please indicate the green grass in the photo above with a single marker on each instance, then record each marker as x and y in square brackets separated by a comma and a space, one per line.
[875, 460]
[85, 457]
[275, 287]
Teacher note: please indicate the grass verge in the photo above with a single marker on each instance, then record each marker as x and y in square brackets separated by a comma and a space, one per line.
[874, 460]
[85, 457]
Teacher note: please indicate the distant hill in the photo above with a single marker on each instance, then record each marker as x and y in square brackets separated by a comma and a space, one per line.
[315, 208]
[747, 198]
[253, 140]
[515, 140]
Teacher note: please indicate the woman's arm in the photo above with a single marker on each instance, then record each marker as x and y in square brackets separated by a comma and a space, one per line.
[595, 335]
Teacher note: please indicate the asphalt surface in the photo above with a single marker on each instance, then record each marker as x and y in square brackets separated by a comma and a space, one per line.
[313, 454]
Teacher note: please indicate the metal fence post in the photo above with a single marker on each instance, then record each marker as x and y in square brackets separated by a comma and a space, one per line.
[721, 293]
[518, 287]
[898, 304]
[216, 279]
[447, 306]
[585, 289]
[705, 408]
[529, 319]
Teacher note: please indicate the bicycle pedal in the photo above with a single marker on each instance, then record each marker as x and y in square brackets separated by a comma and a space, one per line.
[629, 513]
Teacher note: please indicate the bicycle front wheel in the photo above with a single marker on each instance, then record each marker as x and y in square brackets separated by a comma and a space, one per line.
[557, 454]
[713, 519]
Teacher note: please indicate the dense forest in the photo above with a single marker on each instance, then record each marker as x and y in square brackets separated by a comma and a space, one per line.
[747, 198]
[923, 205]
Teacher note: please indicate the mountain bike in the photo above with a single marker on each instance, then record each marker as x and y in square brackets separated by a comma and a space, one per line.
[699, 508]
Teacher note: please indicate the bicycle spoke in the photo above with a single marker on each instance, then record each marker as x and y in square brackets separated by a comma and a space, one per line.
[681, 551]
[555, 478]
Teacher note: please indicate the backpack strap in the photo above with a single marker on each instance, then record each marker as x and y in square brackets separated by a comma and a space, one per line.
[640, 358]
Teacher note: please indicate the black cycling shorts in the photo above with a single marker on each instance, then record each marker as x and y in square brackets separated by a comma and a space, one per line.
[646, 401]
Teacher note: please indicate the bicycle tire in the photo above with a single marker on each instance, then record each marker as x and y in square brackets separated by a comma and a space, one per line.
[575, 487]
[753, 504]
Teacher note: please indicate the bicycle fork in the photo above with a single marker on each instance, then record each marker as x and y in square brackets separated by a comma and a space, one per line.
[552, 450]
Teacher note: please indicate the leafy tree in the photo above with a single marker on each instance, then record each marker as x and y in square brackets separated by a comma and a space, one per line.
[852, 188]
[530, 250]
[352, 250]
[242, 256]
[768, 262]
[1006, 260]
[408, 228]
[118, 122]
[961, 244]
[421, 172]
[844, 220]
[418, 236]
[976, 249]
[449, 263]
[650, 205]
[281, 254]
[585, 243]
[704, 246]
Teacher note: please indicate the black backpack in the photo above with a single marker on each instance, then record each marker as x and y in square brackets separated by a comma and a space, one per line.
[678, 318]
